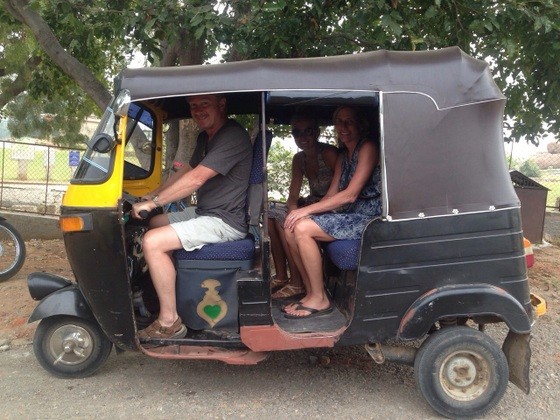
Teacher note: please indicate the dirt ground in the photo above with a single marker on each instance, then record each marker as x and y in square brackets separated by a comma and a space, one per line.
[342, 382]
[15, 303]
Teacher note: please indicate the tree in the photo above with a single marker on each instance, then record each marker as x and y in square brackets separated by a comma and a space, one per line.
[82, 44]
[279, 171]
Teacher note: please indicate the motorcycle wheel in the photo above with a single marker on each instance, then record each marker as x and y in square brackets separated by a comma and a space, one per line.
[12, 251]
[70, 347]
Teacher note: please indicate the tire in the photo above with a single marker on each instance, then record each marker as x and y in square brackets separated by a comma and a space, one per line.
[70, 347]
[461, 372]
[12, 251]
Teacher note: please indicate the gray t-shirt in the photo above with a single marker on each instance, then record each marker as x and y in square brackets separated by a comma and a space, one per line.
[230, 154]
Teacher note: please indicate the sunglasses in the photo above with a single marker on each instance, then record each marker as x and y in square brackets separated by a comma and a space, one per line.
[309, 131]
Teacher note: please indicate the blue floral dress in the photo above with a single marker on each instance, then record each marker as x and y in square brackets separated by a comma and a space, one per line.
[349, 221]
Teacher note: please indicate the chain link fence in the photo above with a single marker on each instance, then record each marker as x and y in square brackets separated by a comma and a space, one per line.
[33, 177]
[544, 168]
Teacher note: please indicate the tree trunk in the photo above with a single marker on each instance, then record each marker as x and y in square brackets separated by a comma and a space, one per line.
[19, 85]
[21, 10]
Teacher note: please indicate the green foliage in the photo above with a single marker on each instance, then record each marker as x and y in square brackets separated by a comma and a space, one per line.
[58, 120]
[279, 171]
[96, 42]
[530, 169]
[520, 39]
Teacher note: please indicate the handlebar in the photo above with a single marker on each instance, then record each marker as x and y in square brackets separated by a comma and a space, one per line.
[143, 214]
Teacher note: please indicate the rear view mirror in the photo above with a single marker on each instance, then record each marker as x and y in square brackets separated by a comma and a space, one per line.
[102, 143]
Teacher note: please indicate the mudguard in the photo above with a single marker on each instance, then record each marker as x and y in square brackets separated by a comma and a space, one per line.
[66, 301]
[41, 285]
[517, 349]
[463, 301]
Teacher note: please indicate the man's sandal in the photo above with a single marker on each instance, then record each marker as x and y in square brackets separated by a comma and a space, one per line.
[288, 291]
[156, 330]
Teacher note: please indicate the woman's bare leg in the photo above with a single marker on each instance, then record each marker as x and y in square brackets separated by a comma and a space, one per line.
[294, 252]
[295, 276]
[277, 250]
[305, 236]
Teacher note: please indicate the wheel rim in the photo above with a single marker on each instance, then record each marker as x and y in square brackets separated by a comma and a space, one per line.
[464, 375]
[9, 250]
[70, 345]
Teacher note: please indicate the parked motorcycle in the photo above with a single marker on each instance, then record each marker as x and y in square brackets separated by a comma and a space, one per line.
[12, 250]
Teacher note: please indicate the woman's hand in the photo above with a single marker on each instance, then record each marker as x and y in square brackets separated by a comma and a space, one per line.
[294, 216]
[148, 205]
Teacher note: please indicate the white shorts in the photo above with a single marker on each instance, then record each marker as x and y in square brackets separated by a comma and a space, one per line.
[194, 231]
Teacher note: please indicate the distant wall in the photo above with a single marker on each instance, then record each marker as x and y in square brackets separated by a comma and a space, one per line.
[34, 226]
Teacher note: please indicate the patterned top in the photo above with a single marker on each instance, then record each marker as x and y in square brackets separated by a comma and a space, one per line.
[349, 221]
[320, 184]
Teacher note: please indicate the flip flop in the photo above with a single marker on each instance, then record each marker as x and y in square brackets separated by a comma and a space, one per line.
[283, 308]
[312, 312]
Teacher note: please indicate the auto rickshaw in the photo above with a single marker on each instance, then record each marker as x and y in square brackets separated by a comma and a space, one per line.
[445, 258]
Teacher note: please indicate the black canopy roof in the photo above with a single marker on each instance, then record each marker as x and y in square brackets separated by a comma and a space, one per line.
[448, 76]
[440, 112]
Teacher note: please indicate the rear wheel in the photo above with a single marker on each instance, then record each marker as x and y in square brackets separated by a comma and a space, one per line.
[461, 372]
[12, 251]
[70, 347]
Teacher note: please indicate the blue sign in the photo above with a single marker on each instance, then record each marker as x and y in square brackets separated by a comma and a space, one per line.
[73, 157]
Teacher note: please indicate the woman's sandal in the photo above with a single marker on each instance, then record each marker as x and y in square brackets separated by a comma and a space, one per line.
[276, 283]
[288, 291]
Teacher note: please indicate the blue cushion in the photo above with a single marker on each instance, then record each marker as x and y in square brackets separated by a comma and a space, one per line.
[257, 174]
[243, 249]
[344, 253]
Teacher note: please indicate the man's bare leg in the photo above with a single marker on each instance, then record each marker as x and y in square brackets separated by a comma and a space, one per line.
[158, 245]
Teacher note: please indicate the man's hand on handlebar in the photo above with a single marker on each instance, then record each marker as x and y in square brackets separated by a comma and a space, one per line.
[141, 209]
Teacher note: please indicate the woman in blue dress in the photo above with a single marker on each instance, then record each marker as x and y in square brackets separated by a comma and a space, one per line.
[353, 200]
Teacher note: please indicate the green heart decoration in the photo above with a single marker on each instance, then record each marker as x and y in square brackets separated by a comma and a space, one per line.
[213, 311]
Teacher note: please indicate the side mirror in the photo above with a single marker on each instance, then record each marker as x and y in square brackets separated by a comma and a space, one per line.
[102, 143]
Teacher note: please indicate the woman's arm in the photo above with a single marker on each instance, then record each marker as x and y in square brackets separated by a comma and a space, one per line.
[333, 188]
[330, 157]
[296, 182]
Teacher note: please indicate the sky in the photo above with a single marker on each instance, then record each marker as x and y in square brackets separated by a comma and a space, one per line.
[524, 150]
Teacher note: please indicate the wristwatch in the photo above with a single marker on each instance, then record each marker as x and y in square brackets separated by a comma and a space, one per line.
[155, 200]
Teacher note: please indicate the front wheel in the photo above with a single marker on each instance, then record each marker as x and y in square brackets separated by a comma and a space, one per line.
[12, 251]
[70, 347]
[461, 372]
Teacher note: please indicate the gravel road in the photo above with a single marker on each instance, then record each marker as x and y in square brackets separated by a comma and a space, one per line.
[332, 383]
[343, 383]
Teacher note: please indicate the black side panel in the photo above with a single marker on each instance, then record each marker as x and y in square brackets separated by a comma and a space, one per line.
[253, 290]
[98, 260]
[400, 261]
[254, 299]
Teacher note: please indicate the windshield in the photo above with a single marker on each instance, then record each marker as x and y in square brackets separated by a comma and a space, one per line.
[95, 166]
[140, 143]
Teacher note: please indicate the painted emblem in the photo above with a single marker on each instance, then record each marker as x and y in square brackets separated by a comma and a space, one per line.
[211, 308]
